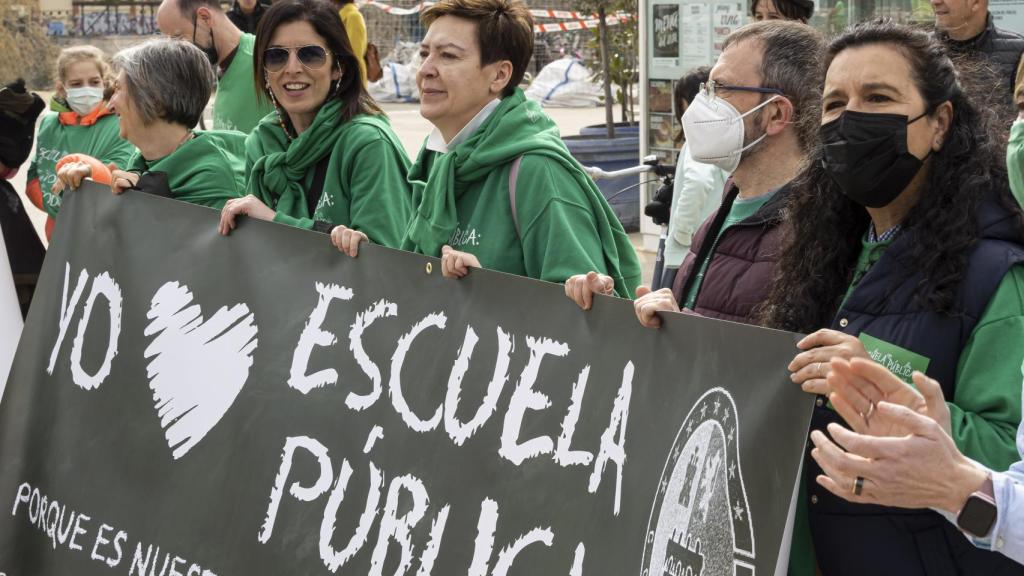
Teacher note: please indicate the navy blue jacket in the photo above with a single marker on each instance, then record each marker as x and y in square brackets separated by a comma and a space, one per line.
[856, 539]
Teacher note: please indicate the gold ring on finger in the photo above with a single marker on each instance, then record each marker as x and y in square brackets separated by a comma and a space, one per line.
[858, 486]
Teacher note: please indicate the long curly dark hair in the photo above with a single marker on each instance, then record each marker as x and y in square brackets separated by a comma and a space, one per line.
[823, 239]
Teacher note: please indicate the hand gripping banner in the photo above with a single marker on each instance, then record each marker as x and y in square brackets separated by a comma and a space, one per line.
[187, 404]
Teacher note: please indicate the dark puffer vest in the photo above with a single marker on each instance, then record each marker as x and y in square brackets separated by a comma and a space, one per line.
[854, 539]
[741, 268]
[1001, 50]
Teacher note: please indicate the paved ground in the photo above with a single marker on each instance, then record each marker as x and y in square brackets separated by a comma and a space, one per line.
[411, 129]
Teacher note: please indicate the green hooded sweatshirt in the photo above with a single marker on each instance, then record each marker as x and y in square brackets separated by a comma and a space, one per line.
[237, 105]
[365, 186]
[55, 140]
[207, 169]
[565, 226]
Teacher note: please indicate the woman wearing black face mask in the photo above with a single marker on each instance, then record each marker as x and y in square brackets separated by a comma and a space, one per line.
[905, 247]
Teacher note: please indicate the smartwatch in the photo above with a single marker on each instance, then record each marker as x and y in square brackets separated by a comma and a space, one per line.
[978, 515]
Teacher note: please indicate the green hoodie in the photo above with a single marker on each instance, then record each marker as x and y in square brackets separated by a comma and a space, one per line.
[565, 226]
[365, 186]
[55, 140]
[237, 105]
[207, 169]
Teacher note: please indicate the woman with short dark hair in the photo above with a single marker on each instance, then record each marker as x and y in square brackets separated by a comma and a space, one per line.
[497, 187]
[905, 247]
[327, 156]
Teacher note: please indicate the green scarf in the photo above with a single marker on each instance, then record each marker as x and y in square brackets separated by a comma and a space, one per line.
[278, 178]
[516, 127]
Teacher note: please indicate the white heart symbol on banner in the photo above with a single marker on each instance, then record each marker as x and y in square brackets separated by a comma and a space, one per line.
[198, 367]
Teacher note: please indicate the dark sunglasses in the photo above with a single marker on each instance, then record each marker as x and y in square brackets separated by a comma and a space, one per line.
[312, 57]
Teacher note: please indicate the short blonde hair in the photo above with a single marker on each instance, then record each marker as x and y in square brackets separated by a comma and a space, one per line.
[76, 54]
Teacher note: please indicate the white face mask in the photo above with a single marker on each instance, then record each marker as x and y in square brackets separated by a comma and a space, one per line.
[714, 131]
[84, 99]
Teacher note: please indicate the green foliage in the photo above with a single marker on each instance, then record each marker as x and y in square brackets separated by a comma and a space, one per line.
[623, 50]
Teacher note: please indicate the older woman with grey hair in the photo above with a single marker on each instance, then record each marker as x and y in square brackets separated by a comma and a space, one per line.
[161, 90]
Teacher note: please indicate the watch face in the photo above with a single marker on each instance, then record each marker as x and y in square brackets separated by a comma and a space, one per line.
[977, 516]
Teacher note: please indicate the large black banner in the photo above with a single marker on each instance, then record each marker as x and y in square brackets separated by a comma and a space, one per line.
[186, 404]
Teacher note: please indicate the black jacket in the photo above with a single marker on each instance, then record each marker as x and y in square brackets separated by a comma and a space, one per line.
[247, 22]
[1000, 50]
[25, 251]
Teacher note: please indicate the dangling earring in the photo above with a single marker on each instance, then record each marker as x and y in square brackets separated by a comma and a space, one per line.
[337, 83]
[277, 110]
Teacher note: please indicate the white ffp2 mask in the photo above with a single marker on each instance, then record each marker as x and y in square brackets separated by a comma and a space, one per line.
[83, 100]
[714, 131]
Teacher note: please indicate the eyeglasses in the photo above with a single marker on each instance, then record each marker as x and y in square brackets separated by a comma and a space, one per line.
[311, 56]
[710, 89]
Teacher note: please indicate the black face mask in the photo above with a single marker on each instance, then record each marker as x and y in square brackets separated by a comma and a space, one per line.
[211, 50]
[866, 155]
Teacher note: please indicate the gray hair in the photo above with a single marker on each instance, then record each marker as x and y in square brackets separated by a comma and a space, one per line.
[167, 79]
[791, 61]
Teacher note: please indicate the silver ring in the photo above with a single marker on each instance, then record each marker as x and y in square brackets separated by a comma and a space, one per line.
[858, 486]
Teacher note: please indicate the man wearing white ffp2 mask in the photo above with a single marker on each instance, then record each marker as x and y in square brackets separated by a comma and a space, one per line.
[718, 130]
[757, 117]
[753, 119]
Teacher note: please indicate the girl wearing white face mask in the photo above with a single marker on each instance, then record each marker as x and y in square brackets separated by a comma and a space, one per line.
[80, 123]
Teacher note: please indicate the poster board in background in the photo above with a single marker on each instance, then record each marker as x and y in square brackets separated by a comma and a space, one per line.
[682, 35]
[1008, 14]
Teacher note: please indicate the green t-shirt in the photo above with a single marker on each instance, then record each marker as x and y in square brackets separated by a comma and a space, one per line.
[237, 105]
[742, 208]
[986, 407]
[870, 252]
[55, 141]
[365, 186]
[207, 169]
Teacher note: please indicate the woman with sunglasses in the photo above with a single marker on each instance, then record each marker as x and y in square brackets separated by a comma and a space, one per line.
[327, 156]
